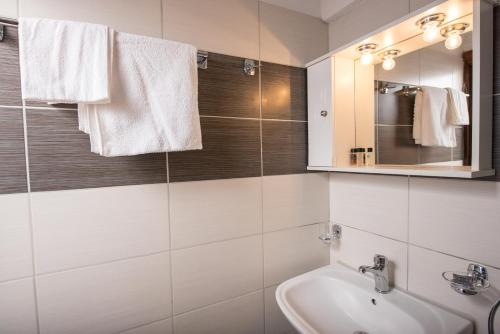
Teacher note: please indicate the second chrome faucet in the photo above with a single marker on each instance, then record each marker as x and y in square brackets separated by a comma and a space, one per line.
[380, 272]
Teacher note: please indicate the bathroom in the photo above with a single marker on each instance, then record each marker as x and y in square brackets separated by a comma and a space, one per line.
[204, 241]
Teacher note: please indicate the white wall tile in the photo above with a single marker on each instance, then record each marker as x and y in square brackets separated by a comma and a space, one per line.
[295, 200]
[8, 8]
[425, 268]
[207, 211]
[15, 237]
[358, 248]
[137, 17]
[276, 322]
[224, 26]
[17, 307]
[105, 298]
[211, 273]
[158, 327]
[74, 228]
[375, 203]
[456, 217]
[291, 38]
[363, 18]
[291, 252]
[241, 315]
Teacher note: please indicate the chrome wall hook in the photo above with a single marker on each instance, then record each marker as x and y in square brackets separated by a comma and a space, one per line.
[250, 66]
[472, 282]
[330, 232]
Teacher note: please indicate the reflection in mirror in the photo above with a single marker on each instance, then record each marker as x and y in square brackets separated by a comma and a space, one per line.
[431, 70]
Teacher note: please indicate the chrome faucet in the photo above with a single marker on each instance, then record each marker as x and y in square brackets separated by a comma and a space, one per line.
[380, 271]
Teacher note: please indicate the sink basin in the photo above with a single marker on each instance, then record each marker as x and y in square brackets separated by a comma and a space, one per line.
[338, 300]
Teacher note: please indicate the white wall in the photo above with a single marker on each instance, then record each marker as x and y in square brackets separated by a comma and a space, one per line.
[190, 257]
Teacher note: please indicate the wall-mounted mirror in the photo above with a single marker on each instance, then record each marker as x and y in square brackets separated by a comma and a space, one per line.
[422, 95]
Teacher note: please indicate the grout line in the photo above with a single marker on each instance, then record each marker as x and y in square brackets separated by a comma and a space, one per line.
[255, 118]
[51, 109]
[11, 107]
[143, 325]
[408, 237]
[48, 273]
[30, 214]
[16, 279]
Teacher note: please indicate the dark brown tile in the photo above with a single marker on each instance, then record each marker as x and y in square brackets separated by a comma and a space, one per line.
[496, 49]
[284, 147]
[284, 90]
[395, 145]
[224, 90]
[393, 108]
[429, 154]
[60, 157]
[231, 149]
[458, 152]
[12, 157]
[51, 106]
[10, 77]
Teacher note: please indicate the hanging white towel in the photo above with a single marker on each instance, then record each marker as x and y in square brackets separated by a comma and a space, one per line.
[458, 111]
[64, 61]
[431, 126]
[154, 105]
[417, 118]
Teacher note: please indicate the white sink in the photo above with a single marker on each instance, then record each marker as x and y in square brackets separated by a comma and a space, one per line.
[338, 300]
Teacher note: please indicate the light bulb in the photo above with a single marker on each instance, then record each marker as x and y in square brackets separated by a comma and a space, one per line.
[366, 58]
[453, 41]
[431, 31]
[388, 64]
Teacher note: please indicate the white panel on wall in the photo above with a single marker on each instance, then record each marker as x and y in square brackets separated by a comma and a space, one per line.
[374, 203]
[295, 200]
[15, 237]
[291, 252]
[290, 38]
[207, 211]
[137, 17]
[74, 228]
[208, 274]
[424, 279]
[17, 307]
[363, 18]
[358, 248]
[224, 26]
[8, 8]
[276, 322]
[241, 315]
[107, 298]
[456, 217]
[158, 327]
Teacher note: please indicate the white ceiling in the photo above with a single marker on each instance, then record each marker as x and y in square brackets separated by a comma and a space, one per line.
[323, 9]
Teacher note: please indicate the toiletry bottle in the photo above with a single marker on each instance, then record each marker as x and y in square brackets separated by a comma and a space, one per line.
[361, 157]
[370, 161]
[354, 157]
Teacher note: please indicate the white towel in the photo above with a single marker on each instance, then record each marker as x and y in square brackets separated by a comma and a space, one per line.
[417, 118]
[431, 126]
[64, 61]
[154, 105]
[458, 111]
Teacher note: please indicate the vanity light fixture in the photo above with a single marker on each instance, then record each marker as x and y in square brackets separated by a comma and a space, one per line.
[366, 51]
[388, 59]
[430, 26]
[452, 34]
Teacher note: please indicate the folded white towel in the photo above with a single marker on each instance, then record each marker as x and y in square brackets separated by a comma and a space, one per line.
[64, 61]
[431, 126]
[458, 111]
[417, 118]
[154, 105]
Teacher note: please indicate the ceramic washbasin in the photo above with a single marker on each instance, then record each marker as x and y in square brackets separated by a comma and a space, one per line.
[338, 300]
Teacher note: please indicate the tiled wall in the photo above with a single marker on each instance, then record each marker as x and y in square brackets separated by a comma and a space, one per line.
[192, 242]
[425, 226]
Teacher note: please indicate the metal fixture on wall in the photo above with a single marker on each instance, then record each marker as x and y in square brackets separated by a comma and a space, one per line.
[453, 33]
[388, 59]
[330, 232]
[250, 66]
[430, 26]
[470, 283]
[366, 51]
[202, 60]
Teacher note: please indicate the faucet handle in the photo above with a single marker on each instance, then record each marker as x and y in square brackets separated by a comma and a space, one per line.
[379, 260]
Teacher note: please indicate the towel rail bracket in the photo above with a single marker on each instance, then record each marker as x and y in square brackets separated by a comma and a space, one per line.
[202, 60]
[1, 32]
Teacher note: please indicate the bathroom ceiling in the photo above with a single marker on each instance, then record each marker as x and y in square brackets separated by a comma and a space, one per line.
[323, 9]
